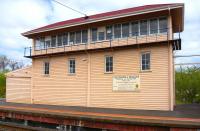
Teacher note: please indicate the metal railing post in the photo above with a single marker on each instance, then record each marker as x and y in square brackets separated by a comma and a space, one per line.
[25, 51]
[30, 51]
[136, 39]
[167, 34]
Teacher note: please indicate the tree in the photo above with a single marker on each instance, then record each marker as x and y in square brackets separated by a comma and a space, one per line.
[188, 85]
[4, 61]
[7, 64]
[14, 65]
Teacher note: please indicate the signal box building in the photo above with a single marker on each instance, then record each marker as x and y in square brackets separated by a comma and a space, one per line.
[119, 59]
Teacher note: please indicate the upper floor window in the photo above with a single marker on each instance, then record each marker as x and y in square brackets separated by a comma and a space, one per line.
[135, 28]
[108, 64]
[109, 32]
[72, 66]
[48, 43]
[163, 25]
[72, 38]
[100, 35]
[145, 61]
[46, 68]
[153, 24]
[143, 27]
[65, 39]
[59, 40]
[40, 44]
[125, 30]
[117, 31]
[94, 34]
[78, 37]
[84, 36]
[53, 41]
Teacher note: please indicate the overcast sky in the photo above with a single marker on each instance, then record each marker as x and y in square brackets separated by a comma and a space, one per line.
[18, 16]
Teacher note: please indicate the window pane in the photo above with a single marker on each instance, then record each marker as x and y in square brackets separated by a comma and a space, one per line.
[125, 30]
[109, 63]
[101, 35]
[109, 32]
[78, 37]
[94, 34]
[65, 39]
[143, 56]
[46, 68]
[72, 66]
[37, 44]
[143, 67]
[145, 61]
[72, 38]
[48, 42]
[53, 41]
[163, 25]
[153, 26]
[143, 27]
[59, 40]
[84, 36]
[42, 43]
[117, 31]
[148, 56]
[135, 28]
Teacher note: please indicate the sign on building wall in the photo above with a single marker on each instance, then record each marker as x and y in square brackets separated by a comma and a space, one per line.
[126, 83]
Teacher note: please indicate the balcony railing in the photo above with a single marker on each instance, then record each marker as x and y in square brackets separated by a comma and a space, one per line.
[114, 42]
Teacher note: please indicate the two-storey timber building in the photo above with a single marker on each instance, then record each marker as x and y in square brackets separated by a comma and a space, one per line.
[118, 59]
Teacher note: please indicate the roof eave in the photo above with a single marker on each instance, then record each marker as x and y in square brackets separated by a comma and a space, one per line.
[179, 5]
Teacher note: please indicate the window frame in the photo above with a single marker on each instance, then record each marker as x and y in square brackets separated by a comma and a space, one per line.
[55, 41]
[105, 66]
[44, 68]
[138, 33]
[59, 36]
[120, 35]
[142, 53]
[107, 37]
[78, 40]
[84, 40]
[159, 25]
[149, 28]
[67, 39]
[128, 23]
[74, 38]
[147, 32]
[91, 30]
[69, 66]
[40, 44]
[99, 34]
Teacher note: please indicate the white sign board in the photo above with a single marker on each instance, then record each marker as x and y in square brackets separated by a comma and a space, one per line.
[126, 83]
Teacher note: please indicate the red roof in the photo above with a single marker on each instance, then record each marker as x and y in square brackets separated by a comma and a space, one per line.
[97, 16]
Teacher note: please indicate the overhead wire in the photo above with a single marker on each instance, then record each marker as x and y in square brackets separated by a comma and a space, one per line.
[70, 8]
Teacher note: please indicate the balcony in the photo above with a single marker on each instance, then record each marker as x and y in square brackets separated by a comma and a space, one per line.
[30, 52]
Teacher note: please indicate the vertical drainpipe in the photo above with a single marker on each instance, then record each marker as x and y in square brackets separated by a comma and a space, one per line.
[170, 64]
[89, 72]
[32, 81]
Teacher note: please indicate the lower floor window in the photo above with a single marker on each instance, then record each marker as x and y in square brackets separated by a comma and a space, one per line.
[72, 66]
[145, 61]
[46, 68]
[108, 64]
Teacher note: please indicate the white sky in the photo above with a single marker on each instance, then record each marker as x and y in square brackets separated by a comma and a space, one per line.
[18, 16]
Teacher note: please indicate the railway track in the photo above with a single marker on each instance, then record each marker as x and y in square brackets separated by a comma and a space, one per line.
[8, 126]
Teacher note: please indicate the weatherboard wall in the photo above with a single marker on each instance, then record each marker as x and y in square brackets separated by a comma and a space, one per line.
[18, 86]
[91, 86]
